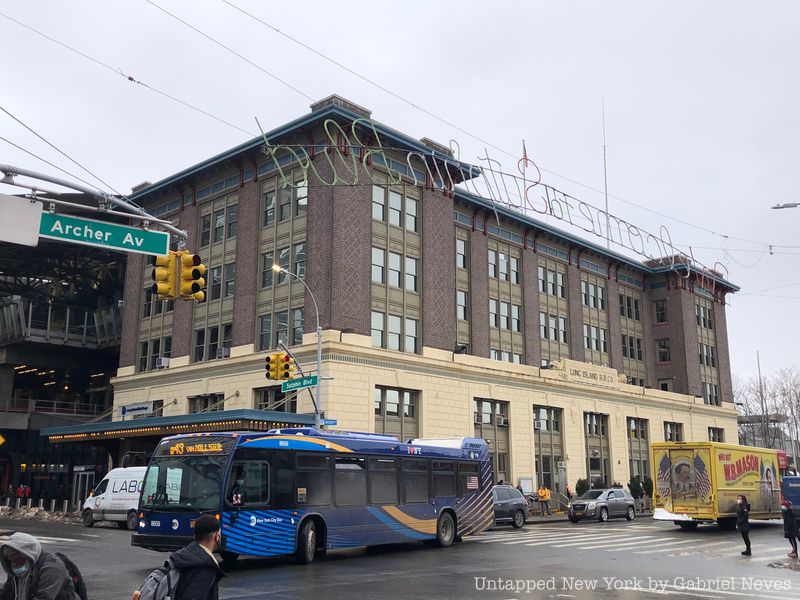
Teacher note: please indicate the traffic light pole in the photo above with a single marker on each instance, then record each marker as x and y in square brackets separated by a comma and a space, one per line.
[318, 403]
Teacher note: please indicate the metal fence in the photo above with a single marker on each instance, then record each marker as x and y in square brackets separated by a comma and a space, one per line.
[56, 407]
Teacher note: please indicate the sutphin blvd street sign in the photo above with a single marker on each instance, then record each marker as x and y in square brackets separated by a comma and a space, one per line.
[299, 383]
[89, 232]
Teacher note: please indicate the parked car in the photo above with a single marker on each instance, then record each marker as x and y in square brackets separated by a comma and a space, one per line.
[510, 506]
[115, 498]
[602, 505]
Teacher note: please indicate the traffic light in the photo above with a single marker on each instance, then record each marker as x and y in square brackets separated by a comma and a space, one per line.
[273, 365]
[287, 367]
[165, 276]
[192, 281]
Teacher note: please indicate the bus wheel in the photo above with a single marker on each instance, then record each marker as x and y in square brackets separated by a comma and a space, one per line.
[687, 525]
[307, 542]
[229, 559]
[445, 530]
[88, 518]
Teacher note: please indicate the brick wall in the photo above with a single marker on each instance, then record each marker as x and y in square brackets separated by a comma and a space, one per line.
[648, 325]
[438, 271]
[530, 308]
[247, 267]
[182, 315]
[132, 309]
[479, 294]
[614, 326]
[319, 246]
[575, 307]
[723, 353]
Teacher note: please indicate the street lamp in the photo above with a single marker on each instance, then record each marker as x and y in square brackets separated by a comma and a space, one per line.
[787, 205]
[318, 404]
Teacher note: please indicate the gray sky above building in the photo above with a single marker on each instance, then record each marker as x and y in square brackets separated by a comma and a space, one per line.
[702, 107]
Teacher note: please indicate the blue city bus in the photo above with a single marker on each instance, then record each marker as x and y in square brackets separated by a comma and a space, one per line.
[303, 491]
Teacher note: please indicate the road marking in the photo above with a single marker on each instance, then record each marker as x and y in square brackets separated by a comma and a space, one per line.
[631, 542]
[706, 594]
[704, 548]
[774, 556]
[56, 540]
[620, 537]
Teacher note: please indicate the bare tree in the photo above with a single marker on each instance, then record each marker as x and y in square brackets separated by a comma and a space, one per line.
[757, 401]
[787, 390]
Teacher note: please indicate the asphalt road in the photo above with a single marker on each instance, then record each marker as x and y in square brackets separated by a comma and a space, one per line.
[616, 560]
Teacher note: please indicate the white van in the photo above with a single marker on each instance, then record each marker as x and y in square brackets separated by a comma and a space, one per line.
[115, 498]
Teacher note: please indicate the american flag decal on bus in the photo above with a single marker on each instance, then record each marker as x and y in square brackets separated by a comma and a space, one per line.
[703, 485]
[472, 482]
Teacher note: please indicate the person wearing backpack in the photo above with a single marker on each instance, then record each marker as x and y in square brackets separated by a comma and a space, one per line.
[198, 572]
[33, 574]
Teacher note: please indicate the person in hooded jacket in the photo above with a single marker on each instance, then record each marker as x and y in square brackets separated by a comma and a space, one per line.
[33, 574]
[199, 569]
[790, 527]
[743, 521]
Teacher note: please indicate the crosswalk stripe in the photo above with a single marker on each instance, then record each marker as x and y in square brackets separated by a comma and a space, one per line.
[699, 548]
[597, 538]
[56, 540]
[631, 542]
[775, 556]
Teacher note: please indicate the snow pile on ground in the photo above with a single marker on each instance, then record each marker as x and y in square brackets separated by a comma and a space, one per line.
[39, 514]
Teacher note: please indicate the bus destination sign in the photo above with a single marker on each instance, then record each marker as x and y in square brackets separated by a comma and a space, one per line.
[203, 445]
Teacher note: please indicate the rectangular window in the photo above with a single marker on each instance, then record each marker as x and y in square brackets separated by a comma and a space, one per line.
[504, 315]
[300, 200]
[297, 326]
[269, 208]
[281, 328]
[514, 270]
[266, 269]
[411, 274]
[147, 305]
[299, 251]
[493, 263]
[254, 475]
[284, 204]
[378, 258]
[378, 203]
[516, 324]
[213, 342]
[395, 273]
[716, 434]
[665, 385]
[411, 214]
[205, 230]
[411, 335]
[199, 344]
[313, 480]
[543, 326]
[143, 347]
[392, 402]
[461, 305]
[542, 281]
[562, 330]
[154, 353]
[216, 283]
[415, 481]
[560, 289]
[394, 332]
[219, 225]
[383, 481]
[167, 350]
[461, 254]
[673, 432]
[230, 279]
[377, 329]
[493, 313]
[502, 259]
[227, 335]
[661, 311]
[284, 259]
[395, 209]
[265, 332]
[233, 220]
[552, 322]
[711, 394]
[663, 350]
[350, 481]
[444, 478]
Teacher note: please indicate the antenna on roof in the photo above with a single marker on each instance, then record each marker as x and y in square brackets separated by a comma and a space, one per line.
[605, 175]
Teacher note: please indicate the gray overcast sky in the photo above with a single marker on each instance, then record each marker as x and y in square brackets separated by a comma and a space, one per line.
[702, 106]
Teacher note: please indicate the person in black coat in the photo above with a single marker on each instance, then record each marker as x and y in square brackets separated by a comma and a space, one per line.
[199, 569]
[790, 527]
[743, 521]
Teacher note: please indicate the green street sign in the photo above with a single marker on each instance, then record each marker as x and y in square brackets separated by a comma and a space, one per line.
[299, 384]
[89, 232]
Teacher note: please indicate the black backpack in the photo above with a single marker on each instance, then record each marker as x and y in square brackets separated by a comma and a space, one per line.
[75, 574]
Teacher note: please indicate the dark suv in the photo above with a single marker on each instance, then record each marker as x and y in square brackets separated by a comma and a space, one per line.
[510, 506]
[602, 505]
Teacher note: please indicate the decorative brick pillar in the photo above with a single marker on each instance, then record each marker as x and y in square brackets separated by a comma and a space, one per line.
[575, 308]
[479, 294]
[247, 264]
[438, 283]
[131, 310]
[530, 308]
[182, 315]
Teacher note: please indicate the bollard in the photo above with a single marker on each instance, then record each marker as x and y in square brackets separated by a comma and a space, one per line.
[52, 506]
[28, 503]
[65, 505]
[8, 502]
[19, 501]
[41, 503]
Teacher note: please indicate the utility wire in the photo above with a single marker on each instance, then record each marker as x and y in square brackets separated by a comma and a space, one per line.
[472, 135]
[231, 50]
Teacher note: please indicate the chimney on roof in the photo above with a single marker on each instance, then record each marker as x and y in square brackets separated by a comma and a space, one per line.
[140, 186]
[336, 100]
[441, 148]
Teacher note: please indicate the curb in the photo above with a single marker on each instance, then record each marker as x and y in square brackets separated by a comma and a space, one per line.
[565, 519]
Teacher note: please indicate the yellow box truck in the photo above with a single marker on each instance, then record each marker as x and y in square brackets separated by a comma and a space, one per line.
[698, 482]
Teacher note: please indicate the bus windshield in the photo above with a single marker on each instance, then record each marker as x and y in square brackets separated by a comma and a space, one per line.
[183, 483]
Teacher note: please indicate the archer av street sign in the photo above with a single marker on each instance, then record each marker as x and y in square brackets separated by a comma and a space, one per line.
[88, 232]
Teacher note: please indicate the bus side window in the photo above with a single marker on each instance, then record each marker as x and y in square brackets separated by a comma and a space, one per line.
[444, 478]
[313, 480]
[415, 480]
[383, 481]
[468, 478]
[248, 483]
[350, 481]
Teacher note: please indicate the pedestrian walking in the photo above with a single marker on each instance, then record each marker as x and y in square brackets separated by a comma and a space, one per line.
[33, 573]
[544, 499]
[198, 570]
[743, 521]
[568, 491]
[20, 491]
[790, 527]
